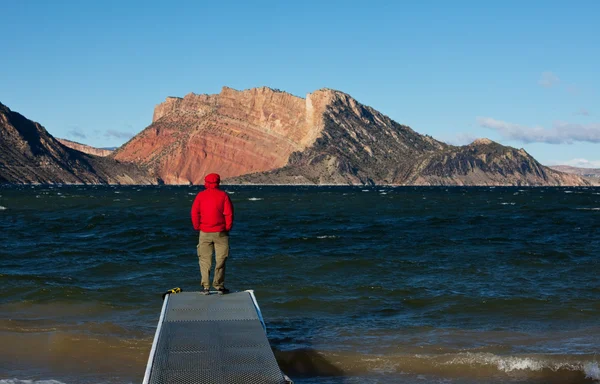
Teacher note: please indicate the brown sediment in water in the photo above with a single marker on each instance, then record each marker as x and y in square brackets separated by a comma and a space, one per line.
[81, 357]
[70, 342]
[63, 355]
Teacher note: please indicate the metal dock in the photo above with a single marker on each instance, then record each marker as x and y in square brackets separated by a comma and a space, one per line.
[214, 339]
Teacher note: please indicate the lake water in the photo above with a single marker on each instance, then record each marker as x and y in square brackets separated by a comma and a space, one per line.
[356, 284]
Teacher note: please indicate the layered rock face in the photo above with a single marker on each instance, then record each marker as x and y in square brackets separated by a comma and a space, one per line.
[29, 154]
[359, 145]
[263, 136]
[85, 148]
[232, 133]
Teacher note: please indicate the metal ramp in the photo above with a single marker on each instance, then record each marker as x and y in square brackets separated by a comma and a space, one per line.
[214, 339]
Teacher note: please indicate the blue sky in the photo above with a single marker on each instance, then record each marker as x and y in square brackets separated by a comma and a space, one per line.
[523, 73]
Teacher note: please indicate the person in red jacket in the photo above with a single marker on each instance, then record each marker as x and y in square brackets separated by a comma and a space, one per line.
[212, 215]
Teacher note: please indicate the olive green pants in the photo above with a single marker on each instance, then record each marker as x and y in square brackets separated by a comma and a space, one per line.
[209, 242]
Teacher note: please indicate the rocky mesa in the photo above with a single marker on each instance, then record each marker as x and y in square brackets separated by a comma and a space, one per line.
[85, 148]
[586, 172]
[232, 133]
[590, 174]
[265, 136]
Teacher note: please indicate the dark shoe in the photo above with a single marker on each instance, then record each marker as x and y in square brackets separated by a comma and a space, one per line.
[222, 291]
[205, 291]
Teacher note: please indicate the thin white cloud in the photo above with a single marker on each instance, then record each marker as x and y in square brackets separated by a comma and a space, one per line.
[584, 163]
[111, 133]
[548, 79]
[560, 133]
[582, 112]
[77, 134]
[579, 163]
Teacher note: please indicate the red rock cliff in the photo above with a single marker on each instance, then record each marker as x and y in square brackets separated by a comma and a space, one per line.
[232, 133]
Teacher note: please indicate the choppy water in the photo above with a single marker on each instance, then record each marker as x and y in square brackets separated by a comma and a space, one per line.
[357, 285]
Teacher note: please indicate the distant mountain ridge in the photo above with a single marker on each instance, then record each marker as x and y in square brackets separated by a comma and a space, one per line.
[85, 148]
[590, 174]
[586, 172]
[265, 136]
[30, 155]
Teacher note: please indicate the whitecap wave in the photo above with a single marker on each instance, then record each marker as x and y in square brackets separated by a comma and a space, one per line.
[589, 209]
[327, 237]
[255, 198]
[592, 370]
[3, 208]
[509, 364]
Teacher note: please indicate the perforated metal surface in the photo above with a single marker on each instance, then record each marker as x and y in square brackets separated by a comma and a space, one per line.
[212, 340]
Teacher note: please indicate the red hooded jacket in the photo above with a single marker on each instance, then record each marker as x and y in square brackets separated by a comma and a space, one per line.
[212, 210]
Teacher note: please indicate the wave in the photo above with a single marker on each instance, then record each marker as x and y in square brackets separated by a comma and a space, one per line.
[255, 198]
[3, 208]
[486, 367]
[508, 364]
